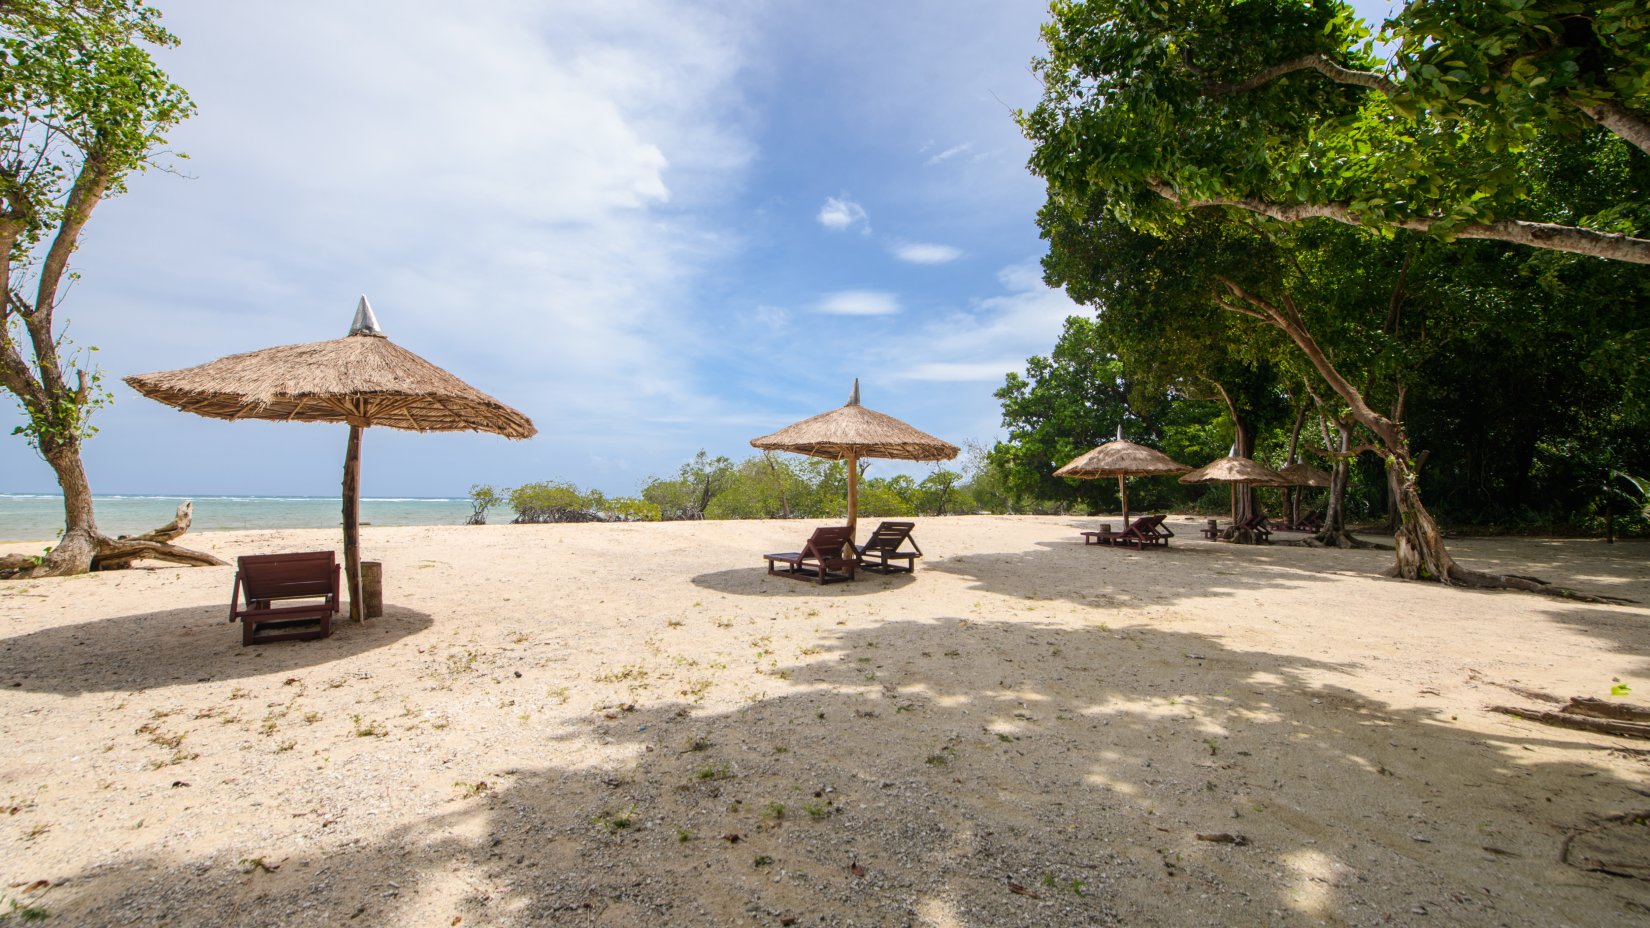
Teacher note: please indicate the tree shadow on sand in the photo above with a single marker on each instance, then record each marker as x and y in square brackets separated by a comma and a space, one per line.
[137, 652]
[756, 581]
[948, 772]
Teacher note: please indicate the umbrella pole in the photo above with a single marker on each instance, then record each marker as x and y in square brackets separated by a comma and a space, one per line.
[853, 497]
[1123, 491]
[352, 521]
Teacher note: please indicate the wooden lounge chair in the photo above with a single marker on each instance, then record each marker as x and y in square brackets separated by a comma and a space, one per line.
[1145, 532]
[884, 544]
[1256, 525]
[826, 550]
[263, 580]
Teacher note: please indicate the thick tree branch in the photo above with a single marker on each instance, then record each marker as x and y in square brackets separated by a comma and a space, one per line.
[1546, 235]
[1631, 126]
[1318, 63]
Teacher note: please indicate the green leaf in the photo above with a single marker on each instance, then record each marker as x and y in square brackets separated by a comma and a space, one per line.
[1620, 689]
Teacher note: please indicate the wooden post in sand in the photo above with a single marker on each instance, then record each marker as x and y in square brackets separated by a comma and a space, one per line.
[372, 589]
[352, 520]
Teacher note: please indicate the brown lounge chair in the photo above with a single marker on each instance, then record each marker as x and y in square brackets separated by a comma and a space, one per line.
[1145, 532]
[262, 580]
[826, 550]
[1256, 524]
[884, 545]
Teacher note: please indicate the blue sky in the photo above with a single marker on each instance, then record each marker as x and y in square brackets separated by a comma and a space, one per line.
[653, 227]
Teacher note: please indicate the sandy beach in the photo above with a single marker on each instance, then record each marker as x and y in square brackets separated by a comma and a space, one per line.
[635, 725]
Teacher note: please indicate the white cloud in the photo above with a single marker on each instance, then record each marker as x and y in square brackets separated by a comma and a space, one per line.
[949, 153]
[992, 337]
[962, 371]
[859, 303]
[925, 253]
[841, 213]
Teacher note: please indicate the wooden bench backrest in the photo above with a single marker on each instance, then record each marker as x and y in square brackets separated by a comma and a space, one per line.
[275, 576]
[1145, 524]
[889, 536]
[827, 543]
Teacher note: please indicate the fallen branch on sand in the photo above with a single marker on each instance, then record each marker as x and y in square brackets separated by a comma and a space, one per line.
[1594, 715]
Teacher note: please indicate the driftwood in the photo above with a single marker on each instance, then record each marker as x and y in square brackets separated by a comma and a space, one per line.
[119, 553]
[1604, 709]
[1569, 719]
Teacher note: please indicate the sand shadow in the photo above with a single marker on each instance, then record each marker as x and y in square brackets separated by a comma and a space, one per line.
[136, 652]
[1074, 776]
[756, 581]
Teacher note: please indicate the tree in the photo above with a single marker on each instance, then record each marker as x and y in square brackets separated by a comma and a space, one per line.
[482, 498]
[82, 106]
[696, 484]
[1281, 108]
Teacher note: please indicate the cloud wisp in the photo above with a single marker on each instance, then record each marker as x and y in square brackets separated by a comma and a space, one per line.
[839, 214]
[926, 253]
[859, 303]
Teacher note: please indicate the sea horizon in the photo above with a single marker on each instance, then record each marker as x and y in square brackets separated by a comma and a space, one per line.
[28, 517]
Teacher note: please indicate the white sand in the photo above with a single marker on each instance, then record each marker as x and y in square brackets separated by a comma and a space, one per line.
[634, 725]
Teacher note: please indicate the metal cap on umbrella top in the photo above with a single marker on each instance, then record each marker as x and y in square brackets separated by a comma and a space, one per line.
[852, 432]
[362, 379]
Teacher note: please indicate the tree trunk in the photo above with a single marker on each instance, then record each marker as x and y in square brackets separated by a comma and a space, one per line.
[1419, 544]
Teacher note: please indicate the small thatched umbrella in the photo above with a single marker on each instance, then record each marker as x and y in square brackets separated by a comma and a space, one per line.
[1235, 470]
[362, 379]
[854, 432]
[1297, 475]
[1122, 459]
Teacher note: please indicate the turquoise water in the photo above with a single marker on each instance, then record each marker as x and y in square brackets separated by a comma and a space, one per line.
[28, 517]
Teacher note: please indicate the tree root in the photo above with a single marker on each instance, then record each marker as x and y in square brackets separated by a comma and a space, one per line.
[1578, 722]
[114, 553]
[1342, 539]
[1460, 576]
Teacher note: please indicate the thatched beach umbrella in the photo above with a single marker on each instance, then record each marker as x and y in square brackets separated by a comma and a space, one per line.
[1235, 470]
[1122, 459]
[855, 432]
[1301, 474]
[363, 379]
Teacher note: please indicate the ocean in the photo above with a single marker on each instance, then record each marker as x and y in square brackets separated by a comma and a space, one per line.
[33, 517]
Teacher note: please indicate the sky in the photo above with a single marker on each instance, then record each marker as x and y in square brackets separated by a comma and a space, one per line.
[653, 227]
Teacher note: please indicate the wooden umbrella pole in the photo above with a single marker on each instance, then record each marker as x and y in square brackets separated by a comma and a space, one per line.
[853, 496]
[1123, 491]
[352, 521]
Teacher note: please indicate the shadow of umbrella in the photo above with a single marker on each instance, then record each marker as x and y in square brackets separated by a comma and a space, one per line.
[119, 654]
[363, 379]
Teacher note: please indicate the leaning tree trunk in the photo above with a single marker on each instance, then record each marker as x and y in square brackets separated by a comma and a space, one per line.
[1334, 533]
[1419, 543]
[83, 548]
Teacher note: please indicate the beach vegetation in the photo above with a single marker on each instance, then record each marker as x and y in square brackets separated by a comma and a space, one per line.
[1272, 223]
[482, 498]
[83, 107]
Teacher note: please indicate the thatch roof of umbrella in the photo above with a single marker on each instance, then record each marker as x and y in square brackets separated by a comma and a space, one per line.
[362, 379]
[1301, 474]
[1232, 469]
[1121, 459]
[855, 431]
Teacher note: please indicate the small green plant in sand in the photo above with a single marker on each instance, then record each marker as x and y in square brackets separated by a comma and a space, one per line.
[285, 746]
[674, 623]
[470, 790]
[762, 860]
[368, 728]
[560, 694]
[1213, 744]
[22, 911]
[713, 772]
[774, 813]
[615, 822]
[684, 835]
[700, 743]
[621, 674]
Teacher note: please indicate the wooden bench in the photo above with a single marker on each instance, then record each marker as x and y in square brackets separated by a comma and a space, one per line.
[884, 544]
[263, 580]
[826, 549]
[1145, 532]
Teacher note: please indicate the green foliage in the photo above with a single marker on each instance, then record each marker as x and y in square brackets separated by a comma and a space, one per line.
[1221, 101]
[482, 498]
[1621, 689]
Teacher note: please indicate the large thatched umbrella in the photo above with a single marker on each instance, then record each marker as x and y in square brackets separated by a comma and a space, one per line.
[1122, 459]
[362, 379]
[1234, 470]
[854, 432]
